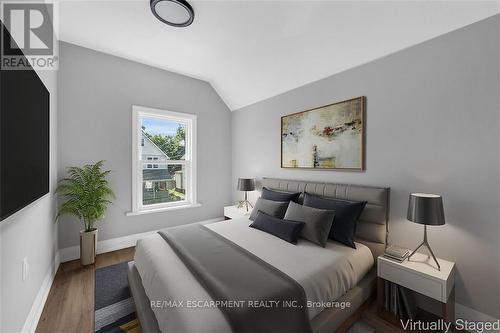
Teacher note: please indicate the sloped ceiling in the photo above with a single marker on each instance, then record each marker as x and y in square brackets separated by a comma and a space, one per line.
[253, 50]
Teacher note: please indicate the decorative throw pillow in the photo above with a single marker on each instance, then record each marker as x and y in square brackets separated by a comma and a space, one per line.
[279, 196]
[284, 229]
[346, 216]
[273, 208]
[318, 222]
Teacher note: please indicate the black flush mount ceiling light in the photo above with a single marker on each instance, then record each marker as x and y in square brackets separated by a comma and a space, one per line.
[177, 13]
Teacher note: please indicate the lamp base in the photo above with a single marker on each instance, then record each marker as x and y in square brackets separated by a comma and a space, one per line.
[429, 250]
[245, 203]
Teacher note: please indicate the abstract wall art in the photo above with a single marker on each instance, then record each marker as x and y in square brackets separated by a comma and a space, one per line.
[328, 137]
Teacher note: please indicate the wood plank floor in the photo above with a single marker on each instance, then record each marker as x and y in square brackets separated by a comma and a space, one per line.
[70, 304]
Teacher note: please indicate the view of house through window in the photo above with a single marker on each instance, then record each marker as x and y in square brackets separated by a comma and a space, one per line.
[163, 160]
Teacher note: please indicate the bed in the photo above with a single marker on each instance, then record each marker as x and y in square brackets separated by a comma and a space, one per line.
[334, 273]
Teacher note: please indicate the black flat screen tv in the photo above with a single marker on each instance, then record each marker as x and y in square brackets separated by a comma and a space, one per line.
[24, 138]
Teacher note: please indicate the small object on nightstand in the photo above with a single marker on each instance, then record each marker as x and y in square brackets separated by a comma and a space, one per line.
[234, 212]
[426, 209]
[396, 252]
[419, 277]
[246, 184]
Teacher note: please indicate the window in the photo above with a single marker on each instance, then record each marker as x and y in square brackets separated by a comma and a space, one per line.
[168, 139]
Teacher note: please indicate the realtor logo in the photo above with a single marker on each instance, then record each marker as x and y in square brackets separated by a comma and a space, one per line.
[28, 29]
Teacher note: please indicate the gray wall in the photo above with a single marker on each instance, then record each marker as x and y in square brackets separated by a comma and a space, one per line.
[32, 234]
[96, 94]
[432, 126]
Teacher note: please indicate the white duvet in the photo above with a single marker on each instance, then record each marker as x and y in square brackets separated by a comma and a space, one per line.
[324, 273]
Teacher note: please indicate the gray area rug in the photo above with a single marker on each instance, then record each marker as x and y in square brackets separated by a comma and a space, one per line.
[114, 306]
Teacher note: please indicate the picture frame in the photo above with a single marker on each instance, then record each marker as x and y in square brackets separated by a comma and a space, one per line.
[329, 137]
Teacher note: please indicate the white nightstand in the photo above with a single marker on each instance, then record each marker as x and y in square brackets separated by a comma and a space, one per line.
[233, 212]
[420, 275]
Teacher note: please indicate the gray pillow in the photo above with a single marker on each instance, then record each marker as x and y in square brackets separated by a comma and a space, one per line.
[318, 222]
[273, 208]
[279, 196]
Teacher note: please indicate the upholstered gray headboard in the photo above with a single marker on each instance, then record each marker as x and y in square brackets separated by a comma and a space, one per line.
[372, 227]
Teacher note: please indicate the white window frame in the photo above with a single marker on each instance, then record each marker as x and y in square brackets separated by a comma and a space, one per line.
[190, 160]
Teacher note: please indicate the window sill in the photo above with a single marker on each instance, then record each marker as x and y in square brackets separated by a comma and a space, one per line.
[163, 209]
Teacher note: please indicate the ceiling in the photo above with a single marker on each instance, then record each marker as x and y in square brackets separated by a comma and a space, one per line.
[253, 50]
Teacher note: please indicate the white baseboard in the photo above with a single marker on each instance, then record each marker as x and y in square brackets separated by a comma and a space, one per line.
[465, 313]
[35, 313]
[108, 245]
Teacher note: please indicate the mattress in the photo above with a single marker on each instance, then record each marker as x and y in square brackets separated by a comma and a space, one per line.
[181, 304]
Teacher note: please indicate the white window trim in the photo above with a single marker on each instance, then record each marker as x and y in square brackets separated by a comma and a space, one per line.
[190, 120]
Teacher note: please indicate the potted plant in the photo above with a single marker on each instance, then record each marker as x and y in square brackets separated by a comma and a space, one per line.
[86, 194]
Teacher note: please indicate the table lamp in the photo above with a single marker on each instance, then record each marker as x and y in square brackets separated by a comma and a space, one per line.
[246, 184]
[426, 209]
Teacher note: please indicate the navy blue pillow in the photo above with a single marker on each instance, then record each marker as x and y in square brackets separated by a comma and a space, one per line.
[346, 216]
[279, 196]
[284, 229]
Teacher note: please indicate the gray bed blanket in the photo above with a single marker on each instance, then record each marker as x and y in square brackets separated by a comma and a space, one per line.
[253, 295]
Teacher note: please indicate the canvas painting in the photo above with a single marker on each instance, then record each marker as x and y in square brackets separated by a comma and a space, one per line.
[328, 137]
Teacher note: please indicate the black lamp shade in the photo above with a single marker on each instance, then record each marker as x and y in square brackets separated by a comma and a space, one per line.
[246, 184]
[426, 209]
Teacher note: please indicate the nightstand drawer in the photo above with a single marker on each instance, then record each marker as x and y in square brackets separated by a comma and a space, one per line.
[410, 280]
